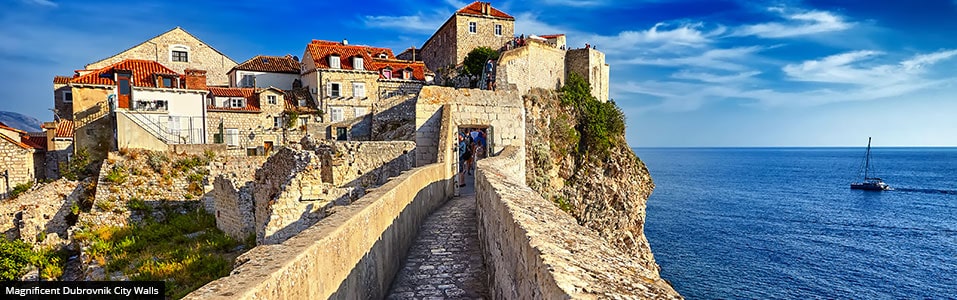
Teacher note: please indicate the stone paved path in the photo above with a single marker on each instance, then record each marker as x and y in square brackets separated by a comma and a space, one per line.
[445, 261]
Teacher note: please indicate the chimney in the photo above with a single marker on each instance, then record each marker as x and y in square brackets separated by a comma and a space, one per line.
[345, 41]
[195, 79]
[50, 129]
[486, 8]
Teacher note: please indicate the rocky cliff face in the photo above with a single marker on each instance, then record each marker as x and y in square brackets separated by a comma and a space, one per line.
[604, 192]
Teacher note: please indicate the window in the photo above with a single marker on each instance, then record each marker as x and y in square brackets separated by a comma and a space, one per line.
[180, 56]
[167, 82]
[498, 29]
[335, 114]
[334, 90]
[248, 80]
[232, 137]
[361, 111]
[271, 99]
[68, 96]
[357, 63]
[334, 62]
[359, 89]
[276, 122]
[237, 102]
[387, 73]
[472, 27]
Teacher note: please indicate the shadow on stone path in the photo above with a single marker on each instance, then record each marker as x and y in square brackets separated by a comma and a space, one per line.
[445, 261]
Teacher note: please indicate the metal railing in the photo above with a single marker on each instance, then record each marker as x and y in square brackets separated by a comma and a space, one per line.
[193, 134]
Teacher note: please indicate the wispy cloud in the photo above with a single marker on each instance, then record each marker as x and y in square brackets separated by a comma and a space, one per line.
[849, 68]
[414, 24]
[722, 59]
[714, 78]
[798, 23]
[660, 36]
[46, 3]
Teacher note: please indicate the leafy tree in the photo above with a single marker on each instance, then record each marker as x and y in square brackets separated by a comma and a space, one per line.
[475, 60]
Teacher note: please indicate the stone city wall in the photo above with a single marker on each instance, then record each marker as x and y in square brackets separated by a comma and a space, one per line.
[536, 65]
[590, 64]
[501, 111]
[41, 213]
[352, 254]
[534, 250]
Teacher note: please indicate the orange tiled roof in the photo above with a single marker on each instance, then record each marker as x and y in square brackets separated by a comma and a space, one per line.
[551, 36]
[64, 129]
[35, 141]
[252, 101]
[4, 126]
[61, 79]
[321, 50]
[476, 9]
[143, 71]
[418, 67]
[274, 64]
[15, 142]
[292, 98]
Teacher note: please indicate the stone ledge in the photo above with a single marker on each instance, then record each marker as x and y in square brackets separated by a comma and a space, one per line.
[534, 250]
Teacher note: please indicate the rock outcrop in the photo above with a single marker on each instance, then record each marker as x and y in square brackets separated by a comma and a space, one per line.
[604, 192]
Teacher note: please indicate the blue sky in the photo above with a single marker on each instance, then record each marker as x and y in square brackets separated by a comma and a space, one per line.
[686, 73]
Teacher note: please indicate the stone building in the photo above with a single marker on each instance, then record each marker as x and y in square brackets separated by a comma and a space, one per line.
[266, 71]
[154, 106]
[475, 25]
[16, 159]
[178, 50]
[348, 80]
[59, 146]
[62, 98]
[249, 121]
[590, 64]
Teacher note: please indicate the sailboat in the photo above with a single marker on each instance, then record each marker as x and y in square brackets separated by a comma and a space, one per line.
[869, 183]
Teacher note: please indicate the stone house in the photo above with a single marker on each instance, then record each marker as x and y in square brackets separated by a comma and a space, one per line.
[59, 146]
[17, 159]
[249, 121]
[62, 98]
[266, 71]
[475, 25]
[137, 104]
[301, 106]
[348, 80]
[177, 50]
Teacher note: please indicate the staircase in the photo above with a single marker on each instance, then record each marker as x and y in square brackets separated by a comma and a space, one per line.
[153, 128]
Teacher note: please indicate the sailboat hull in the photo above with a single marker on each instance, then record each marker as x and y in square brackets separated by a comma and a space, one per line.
[870, 186]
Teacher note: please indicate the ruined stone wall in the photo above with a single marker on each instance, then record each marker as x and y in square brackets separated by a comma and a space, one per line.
[590, 63]
[524, 237]
[536, 65]
[18, 162]
[232, 195]
[41, 213]
[502, 111]
[395, 120]
[53, 158]
[353, 254]
[201, 56]
[350, 161]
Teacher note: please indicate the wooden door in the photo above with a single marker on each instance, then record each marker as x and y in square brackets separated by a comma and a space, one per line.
[123, 90]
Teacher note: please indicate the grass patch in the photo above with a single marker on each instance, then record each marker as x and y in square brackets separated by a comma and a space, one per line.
[186, 251]
[117, 175]
[20, 189]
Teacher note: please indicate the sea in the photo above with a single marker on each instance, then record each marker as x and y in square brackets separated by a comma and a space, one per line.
[783, 223]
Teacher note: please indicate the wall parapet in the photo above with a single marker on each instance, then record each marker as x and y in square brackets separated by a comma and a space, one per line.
[533, 250]
[352, 254]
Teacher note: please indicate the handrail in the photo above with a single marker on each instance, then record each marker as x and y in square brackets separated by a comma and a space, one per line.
[150, 126]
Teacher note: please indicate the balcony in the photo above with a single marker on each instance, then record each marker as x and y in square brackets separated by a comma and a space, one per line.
[150, 105]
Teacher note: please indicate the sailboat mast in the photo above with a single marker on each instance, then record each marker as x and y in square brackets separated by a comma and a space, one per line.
[867, 158]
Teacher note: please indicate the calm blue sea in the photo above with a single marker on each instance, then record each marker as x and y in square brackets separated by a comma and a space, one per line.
[782, 223]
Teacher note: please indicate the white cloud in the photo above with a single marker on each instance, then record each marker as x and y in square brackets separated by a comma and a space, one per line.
[714, 78]
[661, 36]
[849, 68]
[47, 3]
[797, 24]
[415, 24]
[722, 59]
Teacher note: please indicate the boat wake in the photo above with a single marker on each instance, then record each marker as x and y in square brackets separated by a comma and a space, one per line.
[926, 191]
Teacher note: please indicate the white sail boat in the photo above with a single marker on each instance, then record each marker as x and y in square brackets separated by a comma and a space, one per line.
[869, 183]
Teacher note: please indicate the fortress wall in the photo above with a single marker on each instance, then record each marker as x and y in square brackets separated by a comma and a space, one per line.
[536, 65]
[351, 254]
[502, 111]
[533, 250]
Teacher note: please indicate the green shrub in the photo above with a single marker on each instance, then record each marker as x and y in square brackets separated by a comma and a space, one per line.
[137, 204]
[156, 160]
[562, 203]
[476, 59]
[80, 166]
[600, 124]
[117, 174]
[20, 189]
[189, 162]
[209, 154]
[14, 258]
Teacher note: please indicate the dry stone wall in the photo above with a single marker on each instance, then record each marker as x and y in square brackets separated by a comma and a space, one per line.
[534, 250]
[232, 195]
[19, 163]
[43, 214]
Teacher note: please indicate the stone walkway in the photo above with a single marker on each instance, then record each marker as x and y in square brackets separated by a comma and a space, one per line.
[445, 261]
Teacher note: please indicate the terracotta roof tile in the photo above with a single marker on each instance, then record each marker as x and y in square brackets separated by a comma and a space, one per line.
[252, 101]
[418, 68]
[274, 64]
[321, 50]
[61, 79]
[143, 71]
[552, 36]
[35, 141]
[476, 9]
[4, 126]
[15, 142]
[64, 129]
[292, 98]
